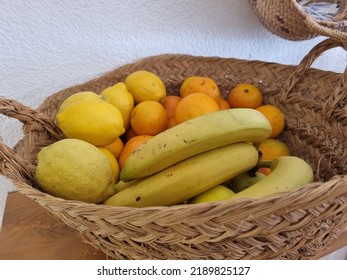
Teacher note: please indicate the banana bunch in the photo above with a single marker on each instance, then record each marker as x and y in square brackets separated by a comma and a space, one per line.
[194, 156]
[193, 137]
[188, 178]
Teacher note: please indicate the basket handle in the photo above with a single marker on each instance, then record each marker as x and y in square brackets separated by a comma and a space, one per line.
[340, 92]
[13, 165]
[319, 29]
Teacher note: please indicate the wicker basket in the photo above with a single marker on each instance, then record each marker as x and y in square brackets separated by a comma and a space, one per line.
[296, 225]
[303, 19]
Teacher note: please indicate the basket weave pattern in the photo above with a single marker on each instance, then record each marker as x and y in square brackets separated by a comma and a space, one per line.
[288, 19]
[295, 225]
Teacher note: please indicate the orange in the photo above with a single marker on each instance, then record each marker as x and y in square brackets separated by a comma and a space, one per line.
[271, 149]
[203, 85]
[223, 104]
[265, 170]
[194, 105]
[149, 118]
[170, 103]
[130, 133]
[131, 146]
[245, 96]
[172, 122]
[185, 83]
[113, 161]
[275, 117]
[115, 147]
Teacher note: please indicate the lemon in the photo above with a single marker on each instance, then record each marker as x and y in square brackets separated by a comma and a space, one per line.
[113, 162]
[119, 96]
[79, 96]
[145, 85]
[76, 170]
[217, 193]
[98, 123]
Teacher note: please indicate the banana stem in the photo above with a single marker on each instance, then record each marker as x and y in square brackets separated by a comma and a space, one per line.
[265, 163]
[252, 171]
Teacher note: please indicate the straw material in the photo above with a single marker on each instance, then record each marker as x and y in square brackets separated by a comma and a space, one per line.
[288, 19]
[296, 225]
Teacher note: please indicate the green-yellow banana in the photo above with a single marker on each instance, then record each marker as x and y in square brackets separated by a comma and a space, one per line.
[193, 137]
[124, 185]
[288, 173]
[188, 178]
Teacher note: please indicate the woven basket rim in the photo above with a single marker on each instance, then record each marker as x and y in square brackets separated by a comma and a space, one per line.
[273, 199]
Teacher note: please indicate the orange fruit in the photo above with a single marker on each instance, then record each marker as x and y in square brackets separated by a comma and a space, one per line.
[131, 146]
[194, 105]
[149, 118]
[115, 147]
[245, 96]
[201, 84]
[172, 122]
[130, 133]
[113, 161]
[185, 83]
[170, 103]
[275, 117]
[223, 104]
[271, 149]
[265, 170]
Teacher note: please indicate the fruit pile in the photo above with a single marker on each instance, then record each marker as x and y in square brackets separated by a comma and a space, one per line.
[133, 145]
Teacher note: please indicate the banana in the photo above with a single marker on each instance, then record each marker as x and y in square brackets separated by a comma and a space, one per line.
[188, 178]
[124, 185]
[193, 137]
[288, 173]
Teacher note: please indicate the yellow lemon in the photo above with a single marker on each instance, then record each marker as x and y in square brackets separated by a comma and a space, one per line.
[98, 123]
[119, 96]
[145, 85]
[113, 162]
[74, 169]
[217, 193]
[79, 96]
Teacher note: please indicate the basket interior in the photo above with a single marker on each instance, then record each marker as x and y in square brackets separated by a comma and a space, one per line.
[322, 10]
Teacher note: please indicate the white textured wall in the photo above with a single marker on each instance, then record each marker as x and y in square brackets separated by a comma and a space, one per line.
[49, 45]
